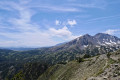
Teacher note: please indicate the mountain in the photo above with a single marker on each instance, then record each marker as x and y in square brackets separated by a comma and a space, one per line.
[106, 39]
[100, 67]
[19, 63]
[100, 39]
[86, 44]
[60, 44]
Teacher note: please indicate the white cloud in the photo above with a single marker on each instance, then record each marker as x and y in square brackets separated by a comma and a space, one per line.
[112, 31]
[57, 8]
[57, 22]
[63, 33]
[103, 18]
[72, 22]
[36, 39]
[23, 20]
[27, 39]
[29, 34]
[63, 9]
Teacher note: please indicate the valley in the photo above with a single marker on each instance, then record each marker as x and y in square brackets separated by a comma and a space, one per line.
[83, 58]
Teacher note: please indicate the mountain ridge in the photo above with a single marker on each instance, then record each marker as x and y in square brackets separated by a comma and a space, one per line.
[82, 42]
[100, 67]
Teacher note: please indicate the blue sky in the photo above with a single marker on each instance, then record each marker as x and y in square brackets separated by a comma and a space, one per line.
[39, 23]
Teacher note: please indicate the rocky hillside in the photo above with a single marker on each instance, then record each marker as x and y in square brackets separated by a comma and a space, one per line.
[106, 66]
[112, 71]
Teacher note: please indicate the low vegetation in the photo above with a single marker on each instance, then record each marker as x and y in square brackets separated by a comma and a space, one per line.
[32, 64]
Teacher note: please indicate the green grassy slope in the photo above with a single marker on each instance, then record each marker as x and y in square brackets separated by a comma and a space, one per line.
[76, 71]
[106, 66]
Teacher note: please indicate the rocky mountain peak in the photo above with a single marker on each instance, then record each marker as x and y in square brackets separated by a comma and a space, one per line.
[103, 35]
[85, 41]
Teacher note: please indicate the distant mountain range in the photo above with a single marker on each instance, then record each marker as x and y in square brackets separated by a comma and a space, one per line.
[85, 41]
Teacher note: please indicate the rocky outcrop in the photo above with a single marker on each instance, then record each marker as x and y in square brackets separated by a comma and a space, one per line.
[111, 73]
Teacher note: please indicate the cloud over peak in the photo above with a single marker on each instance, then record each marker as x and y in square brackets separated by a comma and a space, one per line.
[112, 31]
[62, 33]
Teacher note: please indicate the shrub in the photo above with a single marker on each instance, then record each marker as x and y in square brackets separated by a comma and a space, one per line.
[108, 55]
[80, 59]
[62, 63]
[87, 56]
